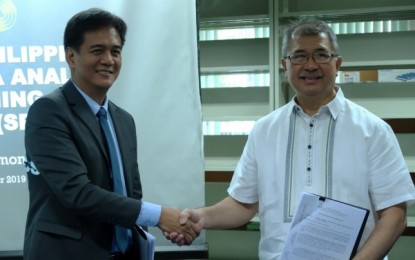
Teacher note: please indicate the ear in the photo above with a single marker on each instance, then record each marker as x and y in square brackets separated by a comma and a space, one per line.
[70, 55]
[284, 64]
[339, 61]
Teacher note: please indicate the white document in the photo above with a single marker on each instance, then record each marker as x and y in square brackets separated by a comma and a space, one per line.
[324, 228]
[147, 246]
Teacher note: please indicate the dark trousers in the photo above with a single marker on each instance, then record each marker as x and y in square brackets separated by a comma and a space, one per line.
[127, 256]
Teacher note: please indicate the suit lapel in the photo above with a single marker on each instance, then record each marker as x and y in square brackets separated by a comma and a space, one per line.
[83, 111]
[81, 108]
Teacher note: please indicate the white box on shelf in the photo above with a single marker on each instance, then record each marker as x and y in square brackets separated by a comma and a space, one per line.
[349, 76]
[358, 76]
[397, 75]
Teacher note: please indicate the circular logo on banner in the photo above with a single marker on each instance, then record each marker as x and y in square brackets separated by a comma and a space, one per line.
[8, 15]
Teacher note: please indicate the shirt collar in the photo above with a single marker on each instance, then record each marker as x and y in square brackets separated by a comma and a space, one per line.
[92, 103]
[335, 106]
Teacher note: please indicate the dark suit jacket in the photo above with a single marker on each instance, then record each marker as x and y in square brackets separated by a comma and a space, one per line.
[72, 208]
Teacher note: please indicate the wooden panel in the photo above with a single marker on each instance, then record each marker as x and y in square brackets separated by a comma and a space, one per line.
[226, 176]
[409, 231]
[218, 176]
[402, 125]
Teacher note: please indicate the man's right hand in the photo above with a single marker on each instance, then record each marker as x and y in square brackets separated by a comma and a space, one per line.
[177, 226]
[187, 217]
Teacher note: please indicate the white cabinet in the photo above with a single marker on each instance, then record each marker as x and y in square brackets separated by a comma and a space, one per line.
[363, 46]
[234, 76]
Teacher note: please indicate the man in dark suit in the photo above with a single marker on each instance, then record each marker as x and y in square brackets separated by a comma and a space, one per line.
[73, 208]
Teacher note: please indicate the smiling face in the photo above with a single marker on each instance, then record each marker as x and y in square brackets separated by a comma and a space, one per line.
[312, 82]
[96, 66]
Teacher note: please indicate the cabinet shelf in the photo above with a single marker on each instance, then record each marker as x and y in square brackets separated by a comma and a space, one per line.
[233, 69]
[377, 50]
[378, 64]
[235, 95]
[223, 152]
[230, 53]
[231, 8]
[410, 161]
[235, 104]
[233, 21]
[234, 112]
[220, 163]
[356, 14]
[231, 117]
[387, 100]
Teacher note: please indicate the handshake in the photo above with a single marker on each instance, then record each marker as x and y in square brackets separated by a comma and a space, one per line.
[183, 227]
[180, 228]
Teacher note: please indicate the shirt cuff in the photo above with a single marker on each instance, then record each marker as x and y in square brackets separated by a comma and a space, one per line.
[149, 214]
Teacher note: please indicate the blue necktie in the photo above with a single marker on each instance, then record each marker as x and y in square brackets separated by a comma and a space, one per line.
[121, 234]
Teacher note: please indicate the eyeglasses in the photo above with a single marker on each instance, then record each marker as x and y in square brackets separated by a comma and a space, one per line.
[320, 57]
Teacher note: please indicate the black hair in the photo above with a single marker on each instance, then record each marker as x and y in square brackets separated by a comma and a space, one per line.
[90, 20]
